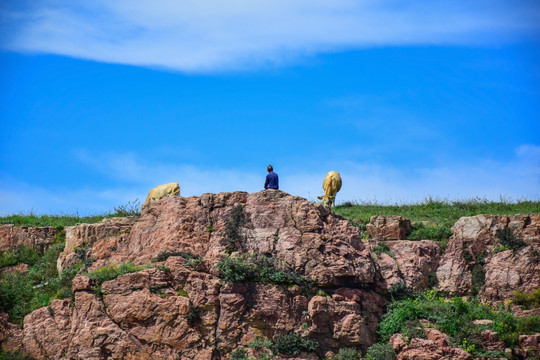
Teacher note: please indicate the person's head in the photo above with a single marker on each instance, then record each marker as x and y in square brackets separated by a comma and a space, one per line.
[269, 168]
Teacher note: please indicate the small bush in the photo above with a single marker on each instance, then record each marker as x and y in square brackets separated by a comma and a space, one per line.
[348, 354]
[293, 344]
[508, 239]
[21, 255]
[399, 291]
[528, 301]
[382, 247]
[478, 279]
[380, 352]
[194, 315]
[112, 271]
[233, 227]
[239, 354]
[16, 294]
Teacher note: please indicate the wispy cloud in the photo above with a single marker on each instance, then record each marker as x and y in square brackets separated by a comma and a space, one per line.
[208, 36]
[134, 176]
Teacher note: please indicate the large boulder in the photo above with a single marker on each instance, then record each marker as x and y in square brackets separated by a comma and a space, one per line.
[389, 227]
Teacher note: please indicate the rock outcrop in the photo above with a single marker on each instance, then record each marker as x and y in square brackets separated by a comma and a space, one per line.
[178, 309]
[409, 262]
[435, 347]
[40, 238]
[473, 243]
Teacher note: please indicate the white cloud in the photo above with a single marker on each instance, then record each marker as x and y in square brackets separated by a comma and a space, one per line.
[517, 179]
[207, 35]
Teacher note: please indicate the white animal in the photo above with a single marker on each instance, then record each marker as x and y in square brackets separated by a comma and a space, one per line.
[161, 191]
[331, 185]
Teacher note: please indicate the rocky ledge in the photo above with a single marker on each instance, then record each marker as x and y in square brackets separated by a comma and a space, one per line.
[178, 302]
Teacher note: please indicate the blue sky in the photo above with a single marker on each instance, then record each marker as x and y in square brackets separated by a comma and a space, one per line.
[100, 102]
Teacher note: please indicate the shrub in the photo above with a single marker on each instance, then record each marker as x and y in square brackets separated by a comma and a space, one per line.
[347, 354]
[399, 291]
[192, 260]
[526, 300]
[239, 354]
[478, 279]
[21, 255]
[413, 329]
[380, 352]
[232, 229]
[382, 247]
[194, 315]
[262, 269]
[292, 344]
[16, 294]
[112, 271]
[508, 239]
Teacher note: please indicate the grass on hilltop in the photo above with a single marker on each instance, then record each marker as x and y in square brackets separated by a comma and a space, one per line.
[132, 208]
[441, 212]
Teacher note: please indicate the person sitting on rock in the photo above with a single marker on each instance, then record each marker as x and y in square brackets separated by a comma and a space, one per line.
[272, 180]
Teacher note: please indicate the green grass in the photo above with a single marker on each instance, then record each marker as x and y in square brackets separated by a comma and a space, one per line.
[442, 212]
[132, 208]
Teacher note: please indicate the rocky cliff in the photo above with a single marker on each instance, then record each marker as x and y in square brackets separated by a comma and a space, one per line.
[306, 274]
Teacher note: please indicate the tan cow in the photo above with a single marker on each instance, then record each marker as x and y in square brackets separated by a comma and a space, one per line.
[331, 185]
[161, 191]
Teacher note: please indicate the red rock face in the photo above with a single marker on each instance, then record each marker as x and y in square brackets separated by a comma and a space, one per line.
[389, 227]
[434, 347]
[410, 262]
[475, 237]
[39, 238]
[184, 311]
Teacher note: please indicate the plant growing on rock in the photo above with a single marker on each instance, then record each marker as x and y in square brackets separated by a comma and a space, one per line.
[509, 240]
[380, 351]
[112, 271]
[233, 233]
[347, 354]
[293, 344]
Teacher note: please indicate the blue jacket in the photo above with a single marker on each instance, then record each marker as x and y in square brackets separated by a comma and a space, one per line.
[272, 181]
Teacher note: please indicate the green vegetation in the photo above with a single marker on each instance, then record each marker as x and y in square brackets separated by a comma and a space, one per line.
[528, 301]
[31, 219]
[442, 212]
[293, 344]
[454, 318]
[382, 247]
[423, 232]
[6, 355]
[192, 260]
[113, 271]
[380, 351]
[232, 229]
[21, 294]
[259, 268]
[239, 354]
[347, 354]
[509, 240]
[21, 255]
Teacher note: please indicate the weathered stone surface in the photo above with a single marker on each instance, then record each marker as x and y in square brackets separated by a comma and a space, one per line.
[22, 268]
[411, 262]
[110, 231]
[491, 341]
[309, 237]
[426, 349]
[11, 335]
[508, 271]
[389, 227]
[12, 236]
[475, 237]
[82, 283]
